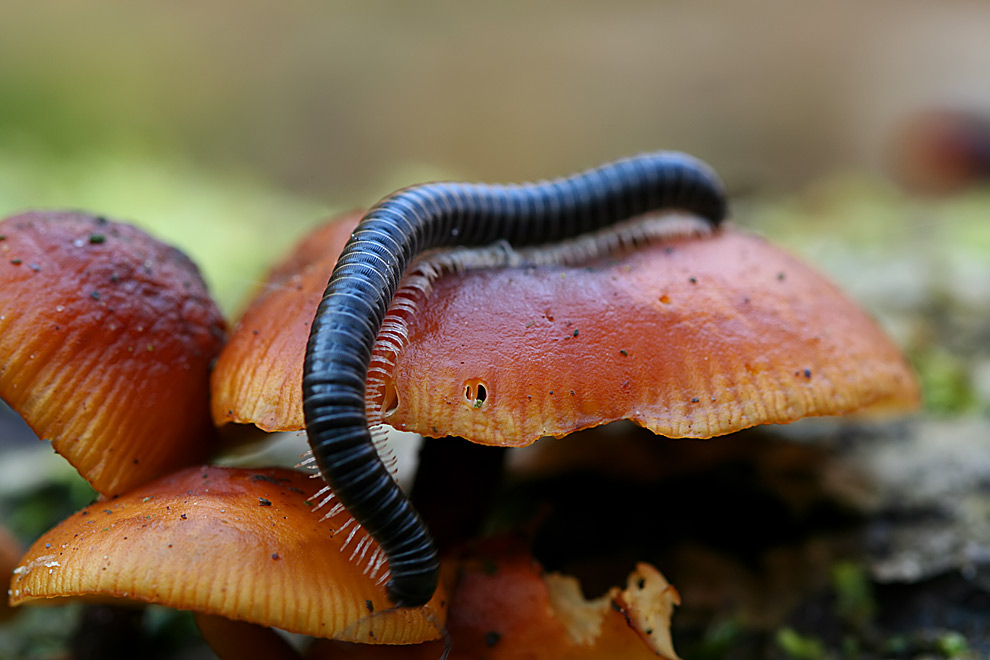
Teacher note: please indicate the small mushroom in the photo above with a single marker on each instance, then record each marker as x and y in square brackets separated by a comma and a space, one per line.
[106, 339]
[941, 151]
[505, 606]
[239, 544]
[693, 337]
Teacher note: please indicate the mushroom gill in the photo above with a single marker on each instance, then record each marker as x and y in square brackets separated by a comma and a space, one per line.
[106, 340]
[240, 544]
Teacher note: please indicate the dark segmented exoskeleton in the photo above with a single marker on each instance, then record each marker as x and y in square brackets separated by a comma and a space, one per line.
[365, 280]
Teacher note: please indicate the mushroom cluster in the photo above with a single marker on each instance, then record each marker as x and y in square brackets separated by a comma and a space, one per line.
[696, 337]
[108, 337]
[107, 340]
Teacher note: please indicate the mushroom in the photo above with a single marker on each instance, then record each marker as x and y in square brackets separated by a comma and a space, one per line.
[106, 339]
[257, 376]
[691, 337]
[941, 151]
[726, 291]
[136, 318]
[240, 544]
[505, 606]
[697, 335]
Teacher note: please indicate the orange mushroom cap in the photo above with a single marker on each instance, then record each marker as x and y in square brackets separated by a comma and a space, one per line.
[241, 544]
[106, 339]
[508, 606]
[258, 377]
[504, 606]
[693, 337]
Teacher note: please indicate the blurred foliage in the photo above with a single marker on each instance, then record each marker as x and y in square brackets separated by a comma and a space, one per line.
[800, 647]
[854, 602]
[233, 225]
[46, 632]
[228, 129]
[31, 513]
[952, 645]
[39, 633]
[945, 380]
[718, 640]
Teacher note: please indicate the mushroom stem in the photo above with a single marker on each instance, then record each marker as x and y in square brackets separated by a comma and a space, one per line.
[449, 465]
[239, 639]
[365, 280]
[108, 631]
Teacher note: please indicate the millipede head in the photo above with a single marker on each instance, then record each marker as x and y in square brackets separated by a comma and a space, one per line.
[412, 591]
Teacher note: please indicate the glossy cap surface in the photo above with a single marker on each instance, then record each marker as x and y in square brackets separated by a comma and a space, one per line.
[241, 544]
[106, 340]
[693, 337]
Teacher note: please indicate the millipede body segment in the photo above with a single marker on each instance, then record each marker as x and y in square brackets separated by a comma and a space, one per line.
[366, 278]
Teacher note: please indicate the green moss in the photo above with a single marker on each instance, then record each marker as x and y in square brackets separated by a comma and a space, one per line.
[798, 646]
[952, 645]
[854, 601]
[718, 641]
[945, 381]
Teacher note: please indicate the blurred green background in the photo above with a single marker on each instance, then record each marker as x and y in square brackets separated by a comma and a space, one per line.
[229, 128]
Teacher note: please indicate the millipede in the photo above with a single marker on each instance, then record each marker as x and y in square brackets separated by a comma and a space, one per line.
[364, 282]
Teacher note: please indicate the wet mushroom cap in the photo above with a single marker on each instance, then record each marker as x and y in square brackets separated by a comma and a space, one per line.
[257, 378]
[941, 151]
[693, 337]
[241, 544]
[106, 339]
[505, 606]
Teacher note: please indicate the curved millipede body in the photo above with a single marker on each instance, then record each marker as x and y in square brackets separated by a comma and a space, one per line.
[365, 280]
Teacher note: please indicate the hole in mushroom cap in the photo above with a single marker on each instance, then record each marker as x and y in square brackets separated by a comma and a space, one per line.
[475, 393]
[390, 398]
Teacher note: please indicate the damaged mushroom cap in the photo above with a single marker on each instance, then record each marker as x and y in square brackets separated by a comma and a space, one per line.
[241, 544]
[505, 606]
[106, 339]
[693, 337]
